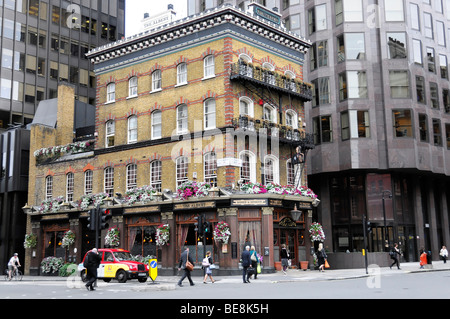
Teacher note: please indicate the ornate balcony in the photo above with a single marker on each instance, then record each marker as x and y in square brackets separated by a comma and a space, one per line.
[257, 76]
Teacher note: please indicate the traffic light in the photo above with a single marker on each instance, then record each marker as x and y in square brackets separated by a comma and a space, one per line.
[206, 227]
[104, 215]
[92, 219]
[198, 225]
[369, 228]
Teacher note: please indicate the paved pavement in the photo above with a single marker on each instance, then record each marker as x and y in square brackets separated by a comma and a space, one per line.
[292, 275]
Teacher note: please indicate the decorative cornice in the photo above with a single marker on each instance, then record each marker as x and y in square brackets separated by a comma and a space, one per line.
[225, 14]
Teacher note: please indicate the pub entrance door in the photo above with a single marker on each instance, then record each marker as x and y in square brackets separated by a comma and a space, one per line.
[289, 237]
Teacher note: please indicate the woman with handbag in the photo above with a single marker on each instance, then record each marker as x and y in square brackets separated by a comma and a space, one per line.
[321, 257]
[207, 264]
[284, 254]
[254, 259]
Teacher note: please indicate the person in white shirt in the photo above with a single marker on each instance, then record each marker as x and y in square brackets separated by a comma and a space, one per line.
[13, 264]
[444, 254]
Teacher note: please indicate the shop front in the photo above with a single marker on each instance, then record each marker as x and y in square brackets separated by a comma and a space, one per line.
[263, 221]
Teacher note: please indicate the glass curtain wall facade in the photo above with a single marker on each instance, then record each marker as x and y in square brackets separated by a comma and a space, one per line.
[43, 43]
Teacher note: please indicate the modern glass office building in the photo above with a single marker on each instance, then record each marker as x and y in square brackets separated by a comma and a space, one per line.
[43, 43]
[380, 117]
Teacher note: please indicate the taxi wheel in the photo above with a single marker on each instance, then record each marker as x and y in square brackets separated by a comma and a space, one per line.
[121, 276]
[142, 279]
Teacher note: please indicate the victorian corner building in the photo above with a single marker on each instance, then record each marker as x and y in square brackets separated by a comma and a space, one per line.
[215, 99]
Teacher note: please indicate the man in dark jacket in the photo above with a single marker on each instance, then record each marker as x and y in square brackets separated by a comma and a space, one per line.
[246, 262]
[93, 261]
[182, 265]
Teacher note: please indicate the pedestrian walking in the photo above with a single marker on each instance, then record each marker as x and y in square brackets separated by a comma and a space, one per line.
[255, 260]
[423, 258]
[321, 257]
[91, 263]
[444, 254]
[246, 263]
[206, 264]
[395, 253]
[284, 254]
[184, 258]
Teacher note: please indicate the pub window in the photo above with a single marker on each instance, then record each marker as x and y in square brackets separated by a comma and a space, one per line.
[245, 106]
[182, 119]
[290, 172]
[69, 187]
[131, 176]
[110, 133]
[155, 175]
[156, 124]
[88, 182]
[108, 174]
[132, 129]
[271, 170]
[181, 170]
[53, 244]
[110, 92]
[210, 169]
[182, 74]
[156, 80]
[142, 240]
[133, 86]
[209, 114]
[49, 187]
[209, 66]
[248, 168]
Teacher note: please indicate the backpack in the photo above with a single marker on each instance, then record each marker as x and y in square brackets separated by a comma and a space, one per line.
[85, 263]
[205, 262]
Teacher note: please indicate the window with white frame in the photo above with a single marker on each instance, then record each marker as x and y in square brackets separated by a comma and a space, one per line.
[132, 129]
[111, 92]
[291, 119]
[182, 119]
[210, 169]
[110, 133]
[108, 177]
[156, 80]
[209, 66]
[210, 114]
[290, 172]
[271, 170]
[131, 176]
[133, 86]
[69, 187]
[246, 106]
[182, 74]
[181, 170]
[49, 187]
[156, 124]
[269, 113]
[155, 175]
[88, 182]
[248, 168]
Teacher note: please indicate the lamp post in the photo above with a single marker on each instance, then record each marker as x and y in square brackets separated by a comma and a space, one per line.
[386, 236]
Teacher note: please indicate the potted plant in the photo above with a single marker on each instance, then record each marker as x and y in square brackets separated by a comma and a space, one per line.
[222, 232]
[30, 241]
[51, 265]
[316, 232]
[68, 239]
[163, 235]
[112, 238]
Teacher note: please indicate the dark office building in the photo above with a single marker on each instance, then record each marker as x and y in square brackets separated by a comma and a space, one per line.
[44, 43]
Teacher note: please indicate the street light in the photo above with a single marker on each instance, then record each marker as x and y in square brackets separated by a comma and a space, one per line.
[386, 237]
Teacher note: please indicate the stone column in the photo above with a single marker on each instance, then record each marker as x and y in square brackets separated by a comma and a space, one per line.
[267, 237]
[169, 258]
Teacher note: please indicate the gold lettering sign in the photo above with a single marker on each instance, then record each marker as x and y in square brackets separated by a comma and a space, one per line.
[148, 209]
[57, 216]
[249, 202]
[276, 202]
[303, 205]
[287, 222]
[194, 205]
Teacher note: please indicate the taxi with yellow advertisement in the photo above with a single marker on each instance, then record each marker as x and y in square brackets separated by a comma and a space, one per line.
[117, 264]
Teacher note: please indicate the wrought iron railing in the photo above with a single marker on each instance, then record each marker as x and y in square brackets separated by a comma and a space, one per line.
[273, 79]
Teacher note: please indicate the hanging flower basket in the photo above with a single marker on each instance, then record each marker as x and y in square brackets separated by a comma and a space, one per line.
[92, 200]
[163, 235]
[68, 239]
[112, 238]
[142, 194]
[316, 232]
[52, 205]
[222, 232]
[30, 241]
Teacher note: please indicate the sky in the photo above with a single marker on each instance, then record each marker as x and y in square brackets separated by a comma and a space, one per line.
[135, 10]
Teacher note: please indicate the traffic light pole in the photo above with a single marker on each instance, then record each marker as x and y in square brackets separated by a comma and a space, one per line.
[365, 241]
[97, 228]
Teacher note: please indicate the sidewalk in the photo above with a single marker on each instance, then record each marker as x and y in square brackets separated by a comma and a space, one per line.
[292, 275]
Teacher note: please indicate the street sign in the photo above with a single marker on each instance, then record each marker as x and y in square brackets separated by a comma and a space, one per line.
[153, 269]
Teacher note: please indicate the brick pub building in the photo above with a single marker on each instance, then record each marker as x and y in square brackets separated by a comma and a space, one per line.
[215, 98]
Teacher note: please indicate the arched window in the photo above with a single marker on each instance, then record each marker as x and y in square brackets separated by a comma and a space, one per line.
[156, 124]
[269, 113]
[181, 170]
[133, 86]
[290, 172]
[156, 80]
[111, 92]
[209, 66]
[131, 176]
[155, 175]
[246, 106]
[248, 168]
[210, 168]
[69, 187]
[271, 170]
[182, 74]
[291, 119]
[108, 176]
[182, 119]
[132, 129]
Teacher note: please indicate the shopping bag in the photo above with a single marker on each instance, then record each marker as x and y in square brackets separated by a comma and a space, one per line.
[327, 265]
[258, 268]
